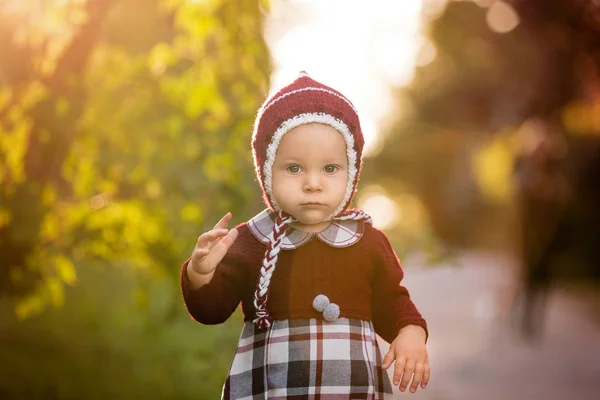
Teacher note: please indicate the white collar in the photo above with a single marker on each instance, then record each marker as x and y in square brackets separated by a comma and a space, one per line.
[337, 234]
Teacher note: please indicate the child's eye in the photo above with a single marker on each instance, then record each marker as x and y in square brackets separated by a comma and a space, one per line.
[330, 169]
[294, 169]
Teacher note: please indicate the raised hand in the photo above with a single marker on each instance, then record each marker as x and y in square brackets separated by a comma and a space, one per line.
[210, 249]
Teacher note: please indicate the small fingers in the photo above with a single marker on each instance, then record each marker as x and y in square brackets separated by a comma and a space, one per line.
[409, 369]
[399, 369]
[208, 239]
[222, 224]
[228, 239]
[220, 249]
[426, 374]
[199, 254]
[388, 359]
[417, 378]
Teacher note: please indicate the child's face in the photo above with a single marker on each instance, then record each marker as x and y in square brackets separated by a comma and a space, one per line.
[310, 174]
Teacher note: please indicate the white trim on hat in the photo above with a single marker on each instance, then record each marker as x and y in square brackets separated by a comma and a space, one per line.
[308, 118]
[274, 100]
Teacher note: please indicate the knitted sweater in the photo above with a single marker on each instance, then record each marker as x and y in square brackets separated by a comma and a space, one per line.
[363, 279]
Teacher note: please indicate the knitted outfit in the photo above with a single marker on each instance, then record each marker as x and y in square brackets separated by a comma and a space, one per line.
[312, 302]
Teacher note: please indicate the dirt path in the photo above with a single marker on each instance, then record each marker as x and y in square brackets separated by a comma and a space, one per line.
[476, 355]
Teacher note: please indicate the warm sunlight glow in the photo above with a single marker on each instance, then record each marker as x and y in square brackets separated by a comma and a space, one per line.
[48, 24]
[501, 17]
[381, 208]
[427, 53]
[412, 214]
[357, 47]
[484, 3]
[433, 9]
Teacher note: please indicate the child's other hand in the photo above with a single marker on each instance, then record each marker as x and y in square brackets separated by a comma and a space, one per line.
[410, 355]
[210, 249]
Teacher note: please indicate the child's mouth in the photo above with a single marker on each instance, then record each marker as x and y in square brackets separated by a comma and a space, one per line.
[312, 204]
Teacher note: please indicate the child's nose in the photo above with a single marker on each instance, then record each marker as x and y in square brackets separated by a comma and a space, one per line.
[313, 182]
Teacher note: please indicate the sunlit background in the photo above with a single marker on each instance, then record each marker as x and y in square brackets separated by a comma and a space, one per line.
[366, 50]
[347, 44]
[125, 133]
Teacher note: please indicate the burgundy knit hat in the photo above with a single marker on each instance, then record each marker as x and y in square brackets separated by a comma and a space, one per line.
[304, 101]
[301, 102]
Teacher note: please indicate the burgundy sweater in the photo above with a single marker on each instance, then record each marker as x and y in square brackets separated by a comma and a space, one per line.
[362, 279]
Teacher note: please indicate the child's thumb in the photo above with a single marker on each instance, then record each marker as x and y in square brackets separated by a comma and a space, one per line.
[388, 359]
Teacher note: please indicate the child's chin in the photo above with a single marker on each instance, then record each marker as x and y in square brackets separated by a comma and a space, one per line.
[311, 217]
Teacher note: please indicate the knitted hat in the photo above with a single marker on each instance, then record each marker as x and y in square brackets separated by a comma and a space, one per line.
[304, 101]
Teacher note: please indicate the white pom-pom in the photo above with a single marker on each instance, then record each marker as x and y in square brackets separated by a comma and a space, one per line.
[331, 312]
[320, 302]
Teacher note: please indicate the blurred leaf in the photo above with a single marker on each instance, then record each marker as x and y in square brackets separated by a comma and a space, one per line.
[191, 212]
[492, 166]
[55, 291]
[29, 305]
[65, 269]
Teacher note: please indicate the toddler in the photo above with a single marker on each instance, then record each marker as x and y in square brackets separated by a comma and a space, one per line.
[317, 282]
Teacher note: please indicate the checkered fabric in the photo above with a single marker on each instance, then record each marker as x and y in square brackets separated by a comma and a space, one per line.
[308, 359]
[337, 234]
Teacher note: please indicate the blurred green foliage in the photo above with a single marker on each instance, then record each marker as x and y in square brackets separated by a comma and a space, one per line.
[103, 345]
[124, 134]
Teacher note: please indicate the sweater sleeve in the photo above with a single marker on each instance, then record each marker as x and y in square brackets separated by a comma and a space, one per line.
[214, 302]
[393, 308]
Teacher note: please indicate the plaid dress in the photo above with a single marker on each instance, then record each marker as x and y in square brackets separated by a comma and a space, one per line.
[308, 359]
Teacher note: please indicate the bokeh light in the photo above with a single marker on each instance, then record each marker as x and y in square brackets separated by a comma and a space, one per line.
[502, 17]
[381, 208]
